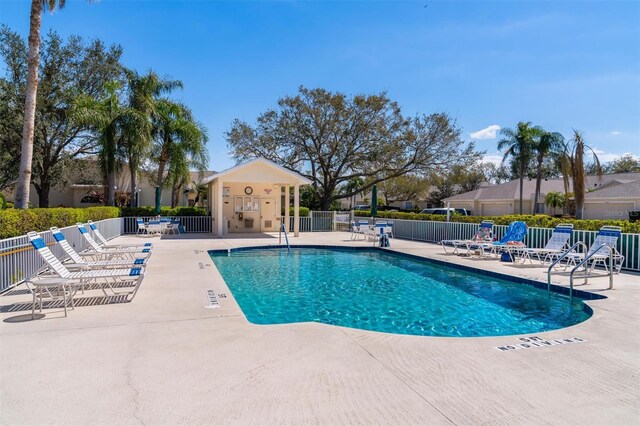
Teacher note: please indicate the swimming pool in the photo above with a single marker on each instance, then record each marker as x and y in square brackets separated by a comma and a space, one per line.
[378, 290]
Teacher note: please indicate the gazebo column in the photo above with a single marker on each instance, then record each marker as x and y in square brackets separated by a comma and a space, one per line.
[219, 210]
[296, 210]
[287, 203]
[211, 204]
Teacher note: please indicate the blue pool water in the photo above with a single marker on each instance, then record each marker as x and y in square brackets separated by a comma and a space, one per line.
[382, 291]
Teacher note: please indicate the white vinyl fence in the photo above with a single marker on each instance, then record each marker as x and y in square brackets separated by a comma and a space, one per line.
[434, 232]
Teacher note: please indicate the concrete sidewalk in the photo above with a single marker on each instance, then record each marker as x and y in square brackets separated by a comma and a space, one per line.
[165, 359]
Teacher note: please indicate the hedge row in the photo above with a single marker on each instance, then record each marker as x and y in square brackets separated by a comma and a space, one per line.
[303, 212]
[14, 222]
[164, 211]
[538, 221]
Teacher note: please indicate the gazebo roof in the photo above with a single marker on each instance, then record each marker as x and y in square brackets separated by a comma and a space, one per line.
[259, 170]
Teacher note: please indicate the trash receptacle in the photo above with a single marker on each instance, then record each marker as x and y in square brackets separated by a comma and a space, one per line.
[248, 222]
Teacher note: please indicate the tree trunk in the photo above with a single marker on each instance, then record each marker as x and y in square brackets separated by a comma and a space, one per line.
[538, 182]
[111, 183]
[43, 192]
[579, 181]
[521, 182]
[174, 197]
[134, 186]
[26, 154]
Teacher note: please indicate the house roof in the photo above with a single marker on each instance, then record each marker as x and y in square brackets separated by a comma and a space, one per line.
[511, 190]
[617, 189]
[285, 175]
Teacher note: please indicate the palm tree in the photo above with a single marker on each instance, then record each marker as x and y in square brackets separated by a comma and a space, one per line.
[143, 93]
[33, 60]
[179, 142]
[572, 164]
[113, 124]
[519, 145]
[547, 144]
[555, 200]
[352, 185]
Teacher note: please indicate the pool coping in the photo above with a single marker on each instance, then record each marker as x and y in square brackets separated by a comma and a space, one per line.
[581, 294]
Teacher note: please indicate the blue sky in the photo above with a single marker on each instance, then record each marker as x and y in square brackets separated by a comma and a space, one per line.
[561, 65]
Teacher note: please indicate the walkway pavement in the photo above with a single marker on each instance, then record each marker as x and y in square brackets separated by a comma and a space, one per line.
[165, 359]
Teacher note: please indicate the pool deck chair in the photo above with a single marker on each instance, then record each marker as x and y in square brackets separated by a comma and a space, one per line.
[358, 229]
[555, 247]
[513, 236]
[484, 234]
[599, 253]
[105, 243]
[141, 226]
[81, 258]
[122, 252]
[105, 278]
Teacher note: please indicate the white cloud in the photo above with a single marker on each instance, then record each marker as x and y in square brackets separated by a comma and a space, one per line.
[487, 133]
[605, 157]
[616, 133]
[495, 158]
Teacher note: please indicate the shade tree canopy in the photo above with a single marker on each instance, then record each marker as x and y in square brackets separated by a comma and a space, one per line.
[331, 138]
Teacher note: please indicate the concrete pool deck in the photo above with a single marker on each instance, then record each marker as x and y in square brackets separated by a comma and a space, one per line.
[165, 359]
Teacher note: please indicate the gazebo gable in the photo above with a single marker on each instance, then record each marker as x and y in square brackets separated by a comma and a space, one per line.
[260, 171]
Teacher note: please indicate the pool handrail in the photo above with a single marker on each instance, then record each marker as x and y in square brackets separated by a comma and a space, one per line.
[286, 238]
[586, 276]
[553, 264]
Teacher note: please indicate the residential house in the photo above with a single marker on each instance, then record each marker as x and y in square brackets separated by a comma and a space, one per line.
[609, 197]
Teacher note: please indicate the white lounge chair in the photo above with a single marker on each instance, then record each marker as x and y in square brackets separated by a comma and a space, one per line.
[106, 278]
[105, 243]
[81, 258]
[555, 247]
[484, 234]
[601, 249]
[123, 252]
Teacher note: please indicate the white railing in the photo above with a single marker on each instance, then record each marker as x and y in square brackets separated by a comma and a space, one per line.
[422, 230]
[317, 221]
[18, 259]
[190, 224]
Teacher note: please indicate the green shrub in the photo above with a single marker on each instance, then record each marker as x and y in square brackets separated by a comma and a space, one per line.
[537, 221]
[14, 222]
[3, 204]
[164, 211]
[304, 211]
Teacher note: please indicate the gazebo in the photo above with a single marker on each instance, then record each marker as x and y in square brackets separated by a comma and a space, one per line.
[254, 197]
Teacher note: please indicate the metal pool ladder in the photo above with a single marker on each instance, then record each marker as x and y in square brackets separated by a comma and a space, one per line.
[582, 262]
[286, 238]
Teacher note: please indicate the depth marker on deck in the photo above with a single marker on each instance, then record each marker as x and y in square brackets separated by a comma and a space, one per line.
[213, 300]
[537, 342]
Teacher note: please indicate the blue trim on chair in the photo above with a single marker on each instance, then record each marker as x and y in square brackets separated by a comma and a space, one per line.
[38, 243]
[138, 262]
[92, 226]
[146, 250]
[82, 229]
[148, 244]
[58, 236]
[135, 272]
